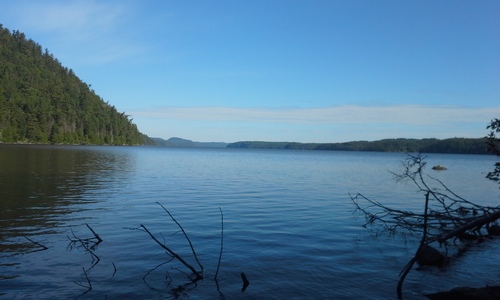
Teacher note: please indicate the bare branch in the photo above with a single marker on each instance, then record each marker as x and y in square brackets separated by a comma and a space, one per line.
[185, 235]
[89, 287]
[36, 243]
[221, 243]
[446, 215]
[99, 240]
[175, 255]
[87, 243]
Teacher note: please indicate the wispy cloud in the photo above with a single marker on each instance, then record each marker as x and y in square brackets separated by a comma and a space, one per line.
[401, 114]
[75, 19]
[88, 31]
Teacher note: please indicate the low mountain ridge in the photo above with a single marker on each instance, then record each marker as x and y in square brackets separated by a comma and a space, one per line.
[430, 145]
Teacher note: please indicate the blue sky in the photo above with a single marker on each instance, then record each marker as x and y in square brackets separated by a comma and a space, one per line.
[302, 71]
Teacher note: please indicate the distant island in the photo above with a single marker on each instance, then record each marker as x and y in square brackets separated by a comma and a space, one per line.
[431, 145]
[42, 102]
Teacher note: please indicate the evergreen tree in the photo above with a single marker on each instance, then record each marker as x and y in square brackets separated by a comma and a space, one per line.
[43, 102]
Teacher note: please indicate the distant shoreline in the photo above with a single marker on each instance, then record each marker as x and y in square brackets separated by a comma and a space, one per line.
[450, 146]
[445, 146]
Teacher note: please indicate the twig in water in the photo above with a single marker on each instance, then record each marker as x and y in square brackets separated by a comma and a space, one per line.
[175, 255]
[36, 243]
[88, 243]
[86, 240]
[89, 287]
[99, 240]
[150, 271]
[185, 235]
[221, 243]
[410, 264]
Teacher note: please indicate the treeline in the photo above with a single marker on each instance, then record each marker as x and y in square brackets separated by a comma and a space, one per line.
[452, 145]
[43, 102]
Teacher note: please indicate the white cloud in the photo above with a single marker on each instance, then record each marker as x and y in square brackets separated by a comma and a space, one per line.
[74, 19]
[80, 32]
[401, 114]
[329, 124]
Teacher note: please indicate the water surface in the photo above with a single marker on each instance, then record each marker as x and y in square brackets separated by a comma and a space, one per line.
[288, 223]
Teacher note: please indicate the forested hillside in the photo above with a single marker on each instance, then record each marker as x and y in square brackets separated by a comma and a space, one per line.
[452, 145]
[43, 102]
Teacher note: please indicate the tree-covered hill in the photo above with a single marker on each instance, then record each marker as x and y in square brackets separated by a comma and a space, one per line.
[452, 145]
[43, 102]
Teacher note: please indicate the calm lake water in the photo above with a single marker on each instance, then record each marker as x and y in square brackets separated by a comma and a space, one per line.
[288, 223]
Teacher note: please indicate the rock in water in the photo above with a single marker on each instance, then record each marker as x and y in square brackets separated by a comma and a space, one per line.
[439, 168]
[493, 230]
[428, 256]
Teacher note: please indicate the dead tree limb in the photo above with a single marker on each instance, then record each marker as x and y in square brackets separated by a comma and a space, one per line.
[410, 264]
[89, 244]
[99, 240]
[446, 214]
[88, 281]
[89, 287]
[150, 271]
[86, 240]
[185, 235]
[221, 243]
[198, 275]
[472, 224]
[36, 243]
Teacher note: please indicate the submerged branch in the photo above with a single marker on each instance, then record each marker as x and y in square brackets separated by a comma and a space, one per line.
[99, 240]
[473, 224]
[89, 287]
[175, 255]
[446, 216]
[410, 264]
[185, 235]
[221, 243]
[36, 243]
[87, 243]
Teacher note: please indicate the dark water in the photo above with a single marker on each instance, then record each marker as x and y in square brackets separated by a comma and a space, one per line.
[288, 223]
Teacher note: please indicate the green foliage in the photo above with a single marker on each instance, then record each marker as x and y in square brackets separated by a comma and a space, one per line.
[43, 102]
[453, 145]
[493, 143]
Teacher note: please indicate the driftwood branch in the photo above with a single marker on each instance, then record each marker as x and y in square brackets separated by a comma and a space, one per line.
[410, 264]
[198, 275]
[88, 287]
[99, 240]
[42, 247]
[150, 271]
[89, 244]
[86, 240]
[185, 235]
[446, 216]
[473, 224]
[221, 243]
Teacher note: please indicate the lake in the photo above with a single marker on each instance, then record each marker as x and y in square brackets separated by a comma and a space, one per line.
[288, 223]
